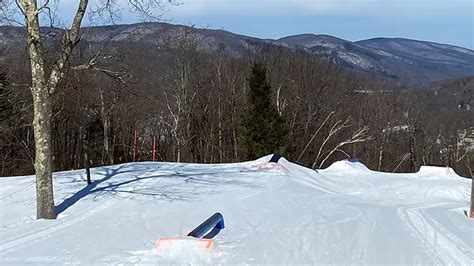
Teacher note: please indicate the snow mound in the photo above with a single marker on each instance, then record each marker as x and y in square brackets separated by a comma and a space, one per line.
[437, 171]
[281, 213]
[347, 166]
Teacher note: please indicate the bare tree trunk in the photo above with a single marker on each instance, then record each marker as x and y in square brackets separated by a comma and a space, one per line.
[211, 143]
[42, 116]
[234, 136]
[107, 147]
[85, 141]
[178, 150]
[471, 213]
[106, 125]
[413, 153]
[234, 123]
[112, 148]
[381, 154]
[42, 129]
[219, 125]
[219, 110]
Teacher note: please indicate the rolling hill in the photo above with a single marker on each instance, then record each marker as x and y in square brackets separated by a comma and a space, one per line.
[402, 60]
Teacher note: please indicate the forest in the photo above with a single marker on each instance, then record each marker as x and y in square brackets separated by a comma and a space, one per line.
[192, 102]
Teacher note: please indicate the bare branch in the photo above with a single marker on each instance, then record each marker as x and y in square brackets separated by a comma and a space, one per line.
[44, 6]
[314, 135]
[9, 11]
[106, 11]
[146, 8]
[404, 158]
[20, 8]
[338, 126]
[359, 136]
[70, 39]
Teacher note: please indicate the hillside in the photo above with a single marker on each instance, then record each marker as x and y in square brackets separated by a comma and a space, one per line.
[274, 214]
[402, 60]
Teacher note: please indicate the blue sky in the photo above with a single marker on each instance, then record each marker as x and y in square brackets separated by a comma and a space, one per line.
[445, 21]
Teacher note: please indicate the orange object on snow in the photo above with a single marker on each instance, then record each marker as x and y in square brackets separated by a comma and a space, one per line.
[264, 166]
[198, 239]
[176, 242]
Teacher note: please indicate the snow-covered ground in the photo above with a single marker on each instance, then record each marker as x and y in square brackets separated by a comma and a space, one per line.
[274, 214]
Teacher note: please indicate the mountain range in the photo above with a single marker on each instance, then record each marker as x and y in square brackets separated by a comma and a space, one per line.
[402, 60]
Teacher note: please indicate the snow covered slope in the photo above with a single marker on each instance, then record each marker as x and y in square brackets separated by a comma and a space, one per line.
[274, 214]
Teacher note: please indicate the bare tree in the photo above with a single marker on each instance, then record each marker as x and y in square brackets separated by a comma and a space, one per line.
[180, 93]
[360, 135]
[471, 213]
[45, 81]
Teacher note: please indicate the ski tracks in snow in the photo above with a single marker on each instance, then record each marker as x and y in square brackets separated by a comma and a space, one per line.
[56, 226]
[53, 228]
[444, 247]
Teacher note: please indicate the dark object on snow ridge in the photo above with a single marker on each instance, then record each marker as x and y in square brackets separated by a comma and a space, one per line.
[275, 158]
[212, 226]
[353, 160]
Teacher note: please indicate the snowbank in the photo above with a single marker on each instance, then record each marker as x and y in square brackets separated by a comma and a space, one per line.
[347, 165]
[437, 172]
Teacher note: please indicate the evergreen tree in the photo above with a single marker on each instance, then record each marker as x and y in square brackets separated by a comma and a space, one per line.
[263, 130]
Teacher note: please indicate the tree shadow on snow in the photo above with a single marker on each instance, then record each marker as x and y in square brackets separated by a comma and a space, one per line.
[205, 181]
[89, 189]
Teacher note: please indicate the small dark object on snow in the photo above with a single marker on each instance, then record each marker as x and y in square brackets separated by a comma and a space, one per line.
[275, 158]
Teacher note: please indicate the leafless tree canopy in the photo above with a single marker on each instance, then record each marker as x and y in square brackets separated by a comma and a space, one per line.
[99, 12]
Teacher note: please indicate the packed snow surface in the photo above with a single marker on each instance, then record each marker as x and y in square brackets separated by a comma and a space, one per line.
[274, 214]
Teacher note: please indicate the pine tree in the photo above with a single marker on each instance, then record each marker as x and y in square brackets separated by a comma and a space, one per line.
[263, 129]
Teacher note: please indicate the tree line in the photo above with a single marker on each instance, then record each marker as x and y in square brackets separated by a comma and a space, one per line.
[196, 104]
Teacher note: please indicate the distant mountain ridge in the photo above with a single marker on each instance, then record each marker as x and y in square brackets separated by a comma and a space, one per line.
[403, 60]
[412, 60]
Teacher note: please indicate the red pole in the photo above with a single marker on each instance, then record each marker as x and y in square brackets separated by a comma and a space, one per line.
[154, 148]
[135, 146]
